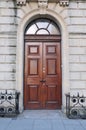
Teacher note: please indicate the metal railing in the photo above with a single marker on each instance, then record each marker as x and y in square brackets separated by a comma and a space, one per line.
[76, 106]
[9, 102]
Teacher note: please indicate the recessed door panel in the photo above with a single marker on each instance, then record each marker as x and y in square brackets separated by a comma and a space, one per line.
[51, 66]
[33, 66]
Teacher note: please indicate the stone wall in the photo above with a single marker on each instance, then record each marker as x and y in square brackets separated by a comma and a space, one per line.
[74, 16]
[75, 19]
[8, 30]
[77, 46]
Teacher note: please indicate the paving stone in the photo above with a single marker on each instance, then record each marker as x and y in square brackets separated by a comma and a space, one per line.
[42, 124]
[42, 120]
[21, 124]
[4, 123]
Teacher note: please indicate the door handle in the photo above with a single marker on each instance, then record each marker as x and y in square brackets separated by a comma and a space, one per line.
[43, 80]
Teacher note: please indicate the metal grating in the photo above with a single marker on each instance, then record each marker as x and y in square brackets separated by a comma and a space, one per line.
[9, 102]
[76, 106]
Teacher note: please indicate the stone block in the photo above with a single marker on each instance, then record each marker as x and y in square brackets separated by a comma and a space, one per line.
[83, 75]
[6, 3]
[78, 20]
[7, 85]
[84, 11]
[79, 42]
[77, 36]
[7, 68]
[64, 13]
[77, 84]
[7, 41]
[75, 13]
[82, 5]
[7, 20]
[67, 20]
[7, 50]
[8, 28]
[77, 50]
[7, 12]
[83, 58]
[10, 58]
[76, 29]
[73, 5]
[2, 58]
[2, 76]
[77, 67]
[20, 13]
[55, 6]
[10, 76]
[75, 76]
[7, 58]
[74, 59]
[5, 76]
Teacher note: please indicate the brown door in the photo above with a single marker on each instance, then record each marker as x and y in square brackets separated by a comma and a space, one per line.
[42, 75]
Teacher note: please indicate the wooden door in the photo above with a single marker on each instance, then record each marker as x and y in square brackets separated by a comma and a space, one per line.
[42, 75]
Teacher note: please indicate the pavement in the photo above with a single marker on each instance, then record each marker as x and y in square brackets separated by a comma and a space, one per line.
[42, 120]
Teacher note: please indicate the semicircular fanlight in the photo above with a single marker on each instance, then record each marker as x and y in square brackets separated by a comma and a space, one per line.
[42, 26]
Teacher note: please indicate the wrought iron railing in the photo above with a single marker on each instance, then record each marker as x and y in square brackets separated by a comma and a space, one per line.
[76, 106]
[9, 102]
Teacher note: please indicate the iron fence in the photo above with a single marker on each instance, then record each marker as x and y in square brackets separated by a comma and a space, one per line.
[9, 102]
[76, 106]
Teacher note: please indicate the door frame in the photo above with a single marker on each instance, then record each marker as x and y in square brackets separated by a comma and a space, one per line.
[43, 38]
[28, 17]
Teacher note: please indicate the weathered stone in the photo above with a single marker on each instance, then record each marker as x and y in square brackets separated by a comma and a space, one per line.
[83, 76]
[77, 84]
[77, 50]
[77, 42]
[74, 59]
[75, 76]
[7, 68]
[78, 67]
[8, 50]
[72, 23]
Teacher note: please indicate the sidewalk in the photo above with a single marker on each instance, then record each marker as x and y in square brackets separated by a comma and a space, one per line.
[42, 120]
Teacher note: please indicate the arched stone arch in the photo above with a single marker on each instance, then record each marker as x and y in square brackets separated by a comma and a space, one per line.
[20, 52]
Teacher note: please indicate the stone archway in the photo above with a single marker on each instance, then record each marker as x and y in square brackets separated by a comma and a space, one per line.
[20, 52]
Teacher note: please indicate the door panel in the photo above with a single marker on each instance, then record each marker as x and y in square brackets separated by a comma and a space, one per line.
[42, 75]
[52, 68]
[33, 67]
